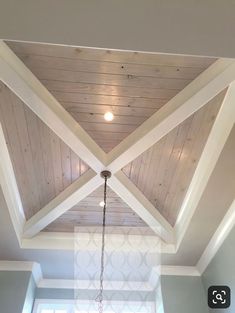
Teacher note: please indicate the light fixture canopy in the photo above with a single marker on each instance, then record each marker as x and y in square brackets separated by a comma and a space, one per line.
[108, 116]
[105, 174]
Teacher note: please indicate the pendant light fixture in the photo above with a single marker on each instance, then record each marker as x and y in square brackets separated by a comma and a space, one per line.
[105, 175]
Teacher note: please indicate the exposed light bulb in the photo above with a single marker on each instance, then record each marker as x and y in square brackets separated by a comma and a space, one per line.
[108, 116]
[101, 203]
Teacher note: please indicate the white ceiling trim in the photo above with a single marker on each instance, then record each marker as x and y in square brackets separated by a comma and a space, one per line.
[179, 271]
[217, 138]
[218, 238]
[92, 242]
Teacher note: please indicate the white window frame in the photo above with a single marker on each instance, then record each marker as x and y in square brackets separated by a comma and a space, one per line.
[69, 305]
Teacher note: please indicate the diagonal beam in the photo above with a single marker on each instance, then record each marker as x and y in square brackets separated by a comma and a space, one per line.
[29, 89]
[10, 189]
[206, 86]
[19, 79]
[74, 193]
[218, 136]
[22, 82]
[141, 206]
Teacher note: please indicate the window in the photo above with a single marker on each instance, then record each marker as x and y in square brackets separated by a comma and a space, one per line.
[69, 306]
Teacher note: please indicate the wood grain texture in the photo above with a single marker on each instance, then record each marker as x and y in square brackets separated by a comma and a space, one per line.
[163, 173]
[43, 164]
[89, 82]
[88, 213]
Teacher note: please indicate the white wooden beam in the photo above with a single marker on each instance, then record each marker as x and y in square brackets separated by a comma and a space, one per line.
[92, 242]
[29, 89]
[218, 136]
[133, 197]
[74, 193]
[10, 189]
[206, 86]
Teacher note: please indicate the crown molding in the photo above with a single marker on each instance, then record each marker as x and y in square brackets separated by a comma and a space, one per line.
[179, 271]
[23, 266]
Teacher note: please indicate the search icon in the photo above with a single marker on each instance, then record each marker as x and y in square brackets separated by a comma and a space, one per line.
[219, 297]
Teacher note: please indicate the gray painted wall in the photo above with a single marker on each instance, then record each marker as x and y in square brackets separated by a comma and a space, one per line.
[50, 293]
[30, 296]
[183, 295]
[221, 270]
[180, 294]
[16, 292]
[202, 27]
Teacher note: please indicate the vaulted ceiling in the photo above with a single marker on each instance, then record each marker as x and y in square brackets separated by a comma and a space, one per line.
[135, 87]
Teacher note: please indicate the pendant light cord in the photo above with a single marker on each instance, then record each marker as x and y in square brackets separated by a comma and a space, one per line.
[99, 298]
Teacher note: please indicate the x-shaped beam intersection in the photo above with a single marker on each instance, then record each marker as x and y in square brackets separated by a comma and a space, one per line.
[30, 90]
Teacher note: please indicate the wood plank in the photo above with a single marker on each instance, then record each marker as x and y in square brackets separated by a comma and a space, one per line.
[99, 118]
[47, 162]
[10, 196]
[109, 100]
[91, 66]
[165, 176]
[15, 150]
[77, 191]
[110, 79]
[218, 136]
[24, 141]
[135, 82]
[88, 212]
[104, 135]
[76, 108]
[39, 157]
[184, 104]
[66, 166]
[29, 89]
[105, 127]
[108, 55]
[193, 149]
[98, 89]
[57, 161]
[141, 206]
